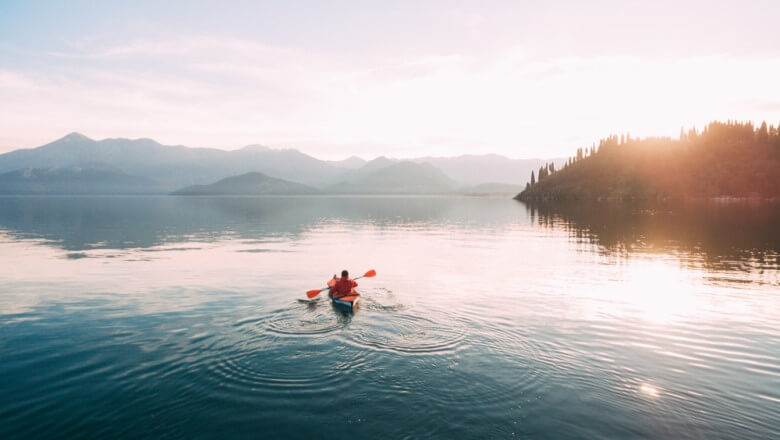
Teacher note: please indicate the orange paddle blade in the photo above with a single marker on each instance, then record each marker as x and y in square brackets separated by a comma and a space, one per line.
[370, 273]
[313, 293]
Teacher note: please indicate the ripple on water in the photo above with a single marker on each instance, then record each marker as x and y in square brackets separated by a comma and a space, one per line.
[380, 300]
[306, 319]
[264, 362]
[281, 370]
[408, 334]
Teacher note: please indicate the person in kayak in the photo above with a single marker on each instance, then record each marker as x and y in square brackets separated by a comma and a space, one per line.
[343, 286]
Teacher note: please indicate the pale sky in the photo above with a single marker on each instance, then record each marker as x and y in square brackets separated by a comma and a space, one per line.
[402, 79]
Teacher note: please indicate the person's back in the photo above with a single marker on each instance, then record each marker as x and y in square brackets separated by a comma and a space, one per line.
[343, 285]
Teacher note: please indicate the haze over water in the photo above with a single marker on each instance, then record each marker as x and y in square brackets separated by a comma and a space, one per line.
[187, 317]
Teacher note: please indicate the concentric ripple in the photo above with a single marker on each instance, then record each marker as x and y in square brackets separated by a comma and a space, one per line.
[275, 370]
[409, 334]
[314, 318]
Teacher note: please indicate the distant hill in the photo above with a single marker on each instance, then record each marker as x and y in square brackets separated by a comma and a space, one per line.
[477, 169]
[350, 163]
[248, 184]
[354, 176]
[488, 189]
[725, 160]
[397, 178]
[89, 179]
[378, 163]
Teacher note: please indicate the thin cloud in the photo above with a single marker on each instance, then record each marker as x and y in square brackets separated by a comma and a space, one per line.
[206, 90]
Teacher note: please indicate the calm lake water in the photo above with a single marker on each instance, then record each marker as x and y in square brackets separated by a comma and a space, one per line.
[187, 317]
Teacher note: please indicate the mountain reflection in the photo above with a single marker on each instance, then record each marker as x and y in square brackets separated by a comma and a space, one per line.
[725, 236]
[740, 237]
[111, 222]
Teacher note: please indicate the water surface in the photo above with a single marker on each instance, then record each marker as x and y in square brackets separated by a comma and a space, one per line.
[187, 317]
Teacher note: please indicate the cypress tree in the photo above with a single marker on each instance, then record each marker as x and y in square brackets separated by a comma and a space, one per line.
[533, 179]
[763, 135]
[777, 137]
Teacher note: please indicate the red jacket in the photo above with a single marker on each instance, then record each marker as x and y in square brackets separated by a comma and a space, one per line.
[343, 287]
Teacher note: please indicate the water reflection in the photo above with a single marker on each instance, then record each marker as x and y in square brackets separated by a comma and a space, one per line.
[723, 236]
[83, 223]
[187, 317]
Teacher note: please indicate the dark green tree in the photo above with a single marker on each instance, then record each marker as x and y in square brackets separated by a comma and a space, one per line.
[533, 179]
[763, 135]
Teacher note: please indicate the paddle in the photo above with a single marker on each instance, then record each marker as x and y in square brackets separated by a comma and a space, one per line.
[313, 293]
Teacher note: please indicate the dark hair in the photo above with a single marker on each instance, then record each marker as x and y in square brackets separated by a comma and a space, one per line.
[344, 274]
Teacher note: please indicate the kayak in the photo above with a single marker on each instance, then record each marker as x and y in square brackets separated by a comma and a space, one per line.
[349, 302]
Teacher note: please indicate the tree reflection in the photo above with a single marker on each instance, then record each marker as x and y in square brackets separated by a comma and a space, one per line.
[723, 235]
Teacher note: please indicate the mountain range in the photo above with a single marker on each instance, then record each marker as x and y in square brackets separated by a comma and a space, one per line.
[146, 166]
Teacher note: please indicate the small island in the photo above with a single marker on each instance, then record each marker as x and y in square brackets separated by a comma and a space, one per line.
[725, 160]
[253, 183]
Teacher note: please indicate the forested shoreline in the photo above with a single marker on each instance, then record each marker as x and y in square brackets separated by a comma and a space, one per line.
[724, 160]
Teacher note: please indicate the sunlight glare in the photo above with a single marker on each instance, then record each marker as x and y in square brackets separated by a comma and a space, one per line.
[660, 291]
[649, 390]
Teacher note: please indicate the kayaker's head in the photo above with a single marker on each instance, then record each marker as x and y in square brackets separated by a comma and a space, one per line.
[344, 274]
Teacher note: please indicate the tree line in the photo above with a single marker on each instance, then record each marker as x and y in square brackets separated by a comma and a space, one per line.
[695, 163]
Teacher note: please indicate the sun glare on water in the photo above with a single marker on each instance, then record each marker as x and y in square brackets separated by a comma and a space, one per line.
[649, 390]
[660, 291]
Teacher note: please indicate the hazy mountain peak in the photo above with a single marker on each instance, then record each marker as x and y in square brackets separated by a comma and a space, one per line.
[146, 141]
[351, 163]
[256, 147]
[381, 161]
[74, 137]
